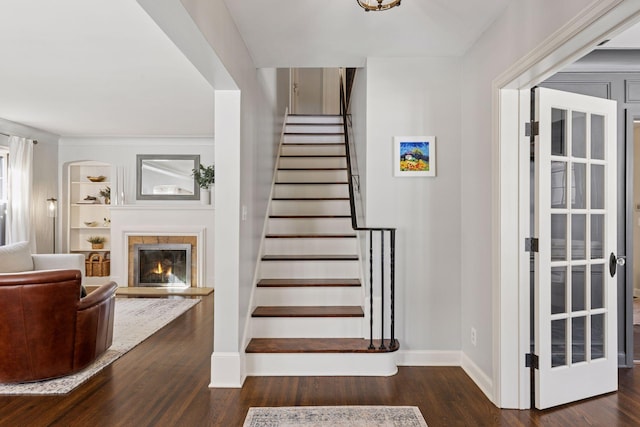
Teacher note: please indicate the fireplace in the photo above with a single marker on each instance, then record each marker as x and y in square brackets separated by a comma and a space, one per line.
[162, 265]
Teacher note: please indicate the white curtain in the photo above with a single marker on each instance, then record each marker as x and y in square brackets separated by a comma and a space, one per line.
[19, 211]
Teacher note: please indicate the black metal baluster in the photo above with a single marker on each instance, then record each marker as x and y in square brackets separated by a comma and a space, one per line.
[371, 346]
[393, 286]
[382, 347]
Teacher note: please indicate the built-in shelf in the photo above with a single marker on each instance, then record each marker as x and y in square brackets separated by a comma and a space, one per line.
[79, 187]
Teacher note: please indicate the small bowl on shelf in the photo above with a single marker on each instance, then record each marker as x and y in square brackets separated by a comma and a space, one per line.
[91, 223]
[96, 178]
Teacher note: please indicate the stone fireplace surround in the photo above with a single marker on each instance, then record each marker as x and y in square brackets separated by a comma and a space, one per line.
[161, 240]
[163, 223]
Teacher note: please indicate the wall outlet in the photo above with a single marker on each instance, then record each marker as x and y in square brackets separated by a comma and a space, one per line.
[474, 336]
[244, 212]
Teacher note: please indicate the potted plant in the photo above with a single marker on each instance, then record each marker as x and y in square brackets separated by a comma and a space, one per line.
[204, 176]
[97, 242]
[106, 193]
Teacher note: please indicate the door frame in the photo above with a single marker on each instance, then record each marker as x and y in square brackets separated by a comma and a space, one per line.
[510, 186]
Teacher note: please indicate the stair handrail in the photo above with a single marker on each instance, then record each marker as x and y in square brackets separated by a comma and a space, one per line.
[345, 98]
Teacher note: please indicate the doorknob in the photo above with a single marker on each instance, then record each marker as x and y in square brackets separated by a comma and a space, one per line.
[615, 261]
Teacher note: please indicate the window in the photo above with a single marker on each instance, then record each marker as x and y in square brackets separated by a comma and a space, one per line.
[4, 192]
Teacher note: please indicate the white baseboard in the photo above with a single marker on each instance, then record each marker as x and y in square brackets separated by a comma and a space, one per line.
[226, 370]
[428, 358]
[321, 364]
[478, 376]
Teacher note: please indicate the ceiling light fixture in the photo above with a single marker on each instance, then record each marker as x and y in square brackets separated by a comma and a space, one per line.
[368, 5]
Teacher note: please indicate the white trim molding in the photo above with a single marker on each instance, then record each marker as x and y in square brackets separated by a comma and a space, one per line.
[429, 358]
[224, 370]
[598, 22]
[482, 380]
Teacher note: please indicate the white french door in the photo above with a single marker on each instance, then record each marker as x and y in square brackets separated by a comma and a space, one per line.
[575, 221]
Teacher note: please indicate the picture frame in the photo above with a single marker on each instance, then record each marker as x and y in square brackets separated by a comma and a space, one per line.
[414, 156]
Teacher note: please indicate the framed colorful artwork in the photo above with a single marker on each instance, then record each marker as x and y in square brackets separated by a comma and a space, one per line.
[414, 156]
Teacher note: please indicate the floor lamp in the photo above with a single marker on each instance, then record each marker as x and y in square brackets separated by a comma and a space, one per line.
[52, 208]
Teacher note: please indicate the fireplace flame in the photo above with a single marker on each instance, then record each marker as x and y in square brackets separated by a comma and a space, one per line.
[169, 272]
[158, 269]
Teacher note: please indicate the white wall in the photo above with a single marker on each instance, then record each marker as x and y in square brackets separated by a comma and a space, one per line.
[523, 26]
[260, 125]
[636, 211]
[121, 153]
[413, 97]
[45, 182]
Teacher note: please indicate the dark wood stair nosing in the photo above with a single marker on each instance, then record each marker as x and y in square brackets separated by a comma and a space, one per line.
[309, 216]
[314, 311]
[310, 236]
[319, 345]
[306, 156]
[313, 183]
[315, 134]
[319, 144]
[312, 169]
[310, 283]
[310, 258]
[309, 199]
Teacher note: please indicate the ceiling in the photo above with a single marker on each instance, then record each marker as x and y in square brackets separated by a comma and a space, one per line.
[332, 33]
[104, 68]
[97, 68]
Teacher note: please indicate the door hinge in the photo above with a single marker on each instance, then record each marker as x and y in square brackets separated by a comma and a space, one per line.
[531, 244]
[531, 360]
[531, 129]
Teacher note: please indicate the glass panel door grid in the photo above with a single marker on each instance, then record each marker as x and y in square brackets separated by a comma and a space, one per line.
[578, 316]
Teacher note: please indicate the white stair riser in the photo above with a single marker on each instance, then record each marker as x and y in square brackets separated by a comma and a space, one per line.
[313, 162]
[311, 191]
[306, 327]
[310, 207]
[320, 364]
[314, 119]
[312, 139]
[312, 176]
[312, 150]
[309, 269]
[312, 128]
[309, 225]
[325, 295]
[311, 246]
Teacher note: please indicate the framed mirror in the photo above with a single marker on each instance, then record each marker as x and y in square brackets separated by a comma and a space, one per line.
[166, 177]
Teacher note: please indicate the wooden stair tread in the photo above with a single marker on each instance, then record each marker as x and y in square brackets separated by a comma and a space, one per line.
[318, 345]
[314, 133]
[319, 144]
[309, 198]
[312, 169]
[292, 283]
[308, 216]
[310, 258]
[310, 236]
[313, 183]
[315, 124]
[308, 311]
[306, 156]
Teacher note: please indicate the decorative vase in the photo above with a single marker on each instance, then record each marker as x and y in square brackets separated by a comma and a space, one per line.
[97, 245]
[205, 196]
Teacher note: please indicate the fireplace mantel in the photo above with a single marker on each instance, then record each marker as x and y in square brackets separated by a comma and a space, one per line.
[162, 220]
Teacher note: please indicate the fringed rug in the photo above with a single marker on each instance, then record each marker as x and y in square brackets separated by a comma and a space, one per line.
[135, 320]
[335, 416]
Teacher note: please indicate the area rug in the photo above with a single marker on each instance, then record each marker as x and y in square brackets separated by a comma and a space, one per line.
[337, 416]
[135, 320]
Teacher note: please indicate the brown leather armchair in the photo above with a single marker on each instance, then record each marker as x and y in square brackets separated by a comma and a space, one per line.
[46, 330]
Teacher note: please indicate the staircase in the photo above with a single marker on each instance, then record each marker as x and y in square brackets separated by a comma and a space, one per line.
[308, 317]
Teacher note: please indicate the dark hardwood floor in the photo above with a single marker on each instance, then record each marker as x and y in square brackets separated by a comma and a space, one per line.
[164, 382]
